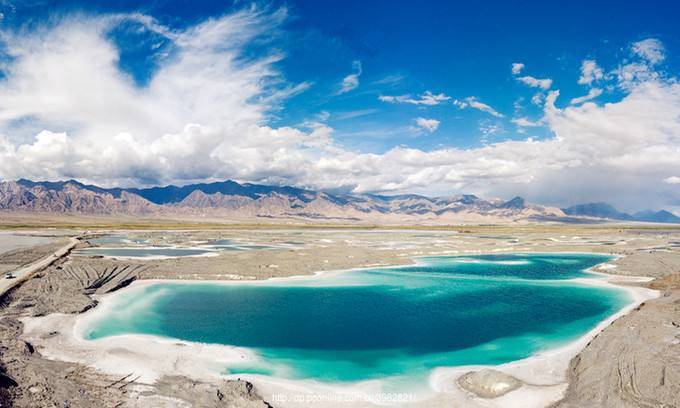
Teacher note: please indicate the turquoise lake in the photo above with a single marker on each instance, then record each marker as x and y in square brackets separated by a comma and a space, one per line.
[383, 322]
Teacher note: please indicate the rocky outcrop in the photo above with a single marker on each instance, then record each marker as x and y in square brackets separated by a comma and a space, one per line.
[488, 383]
[70, 198]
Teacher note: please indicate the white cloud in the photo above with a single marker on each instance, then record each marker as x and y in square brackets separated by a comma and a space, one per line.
[351, 81]
[322, 116]
[641, 67]
[538, 99]
[631, 75]
[650, 49]
[428, 99]
[489, 129]
[429, 125]
[517, 67]
[672, 180]
[592, 94]
[525, 122]
[353, 114]
[203, 116]
[616, 152]
[390, 80]
[533, 82]
[201, 104]
[544, 84]
[590, 72]
[473, 102]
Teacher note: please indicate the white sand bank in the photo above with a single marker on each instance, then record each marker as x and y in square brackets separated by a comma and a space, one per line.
[60, 337]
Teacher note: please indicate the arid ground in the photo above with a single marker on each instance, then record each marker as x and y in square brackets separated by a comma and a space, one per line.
[635, 362]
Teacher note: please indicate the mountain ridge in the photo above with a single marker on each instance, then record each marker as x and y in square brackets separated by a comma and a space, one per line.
[231, 199]
[604, 210]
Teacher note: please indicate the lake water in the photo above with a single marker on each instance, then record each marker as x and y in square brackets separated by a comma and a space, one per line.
[145, 252]
[123, 246]
[382, 322]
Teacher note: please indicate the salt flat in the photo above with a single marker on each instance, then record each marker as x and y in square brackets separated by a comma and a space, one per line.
[10, 241]
[68, 287]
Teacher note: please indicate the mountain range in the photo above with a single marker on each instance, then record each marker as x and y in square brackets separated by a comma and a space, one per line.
[604, 210]
[232, 200]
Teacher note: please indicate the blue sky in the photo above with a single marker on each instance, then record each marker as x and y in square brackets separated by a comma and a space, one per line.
[376, 81]
[459, 49]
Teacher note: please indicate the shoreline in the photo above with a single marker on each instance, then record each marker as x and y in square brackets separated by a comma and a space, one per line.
[545, 371]
[414, 261]
[541, 388]
[83, 252]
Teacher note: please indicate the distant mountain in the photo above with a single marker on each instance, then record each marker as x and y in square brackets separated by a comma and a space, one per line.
[70, 196]
[174, 194]
[516, 203]
[604, 210]
[230, 199]
[657, 216]
[60, 185]
[597, 210]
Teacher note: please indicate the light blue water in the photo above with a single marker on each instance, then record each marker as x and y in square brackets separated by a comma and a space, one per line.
[382, 322]
[116, 239]
[134, 251]
[144, 252]
[229, 245]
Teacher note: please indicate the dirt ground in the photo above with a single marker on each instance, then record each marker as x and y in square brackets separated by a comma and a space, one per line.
[634, 362]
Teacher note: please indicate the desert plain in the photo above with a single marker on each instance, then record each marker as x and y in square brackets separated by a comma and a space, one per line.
[634, 361]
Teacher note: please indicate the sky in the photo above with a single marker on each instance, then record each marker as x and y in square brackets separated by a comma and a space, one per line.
[559, 103]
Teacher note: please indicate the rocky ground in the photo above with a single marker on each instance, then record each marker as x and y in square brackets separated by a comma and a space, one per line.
[33, 381]
[15, 259]
[634, 362]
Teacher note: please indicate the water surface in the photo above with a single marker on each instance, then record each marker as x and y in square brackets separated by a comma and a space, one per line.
[146, 252]
[381, 322]
[123, 246]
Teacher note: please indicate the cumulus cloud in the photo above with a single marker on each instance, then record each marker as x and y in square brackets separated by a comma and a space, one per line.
[429, 125]
[351, 81]
[67, 110]
[617, 152]
[538, 99]
[525, 122]
[650, 49]
[533, 82]
[474, 103]
[590, 72]
[592, 94]
[672, 180]
[201, 104]
[631, 75]
[641, 68]
[544, 84]
[427, 99]
[517, 68]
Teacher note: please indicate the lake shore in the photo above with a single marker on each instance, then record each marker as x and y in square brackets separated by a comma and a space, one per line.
[543, 376]
[637, 260]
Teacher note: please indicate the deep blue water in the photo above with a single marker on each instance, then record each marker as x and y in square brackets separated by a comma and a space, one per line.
[370, 323]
